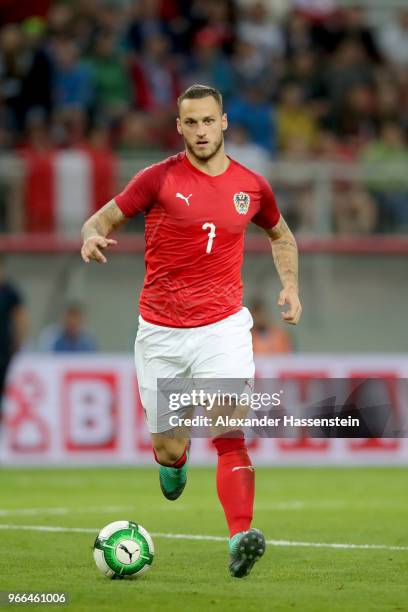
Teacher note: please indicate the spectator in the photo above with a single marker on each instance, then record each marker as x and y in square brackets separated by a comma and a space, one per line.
[111, 81]
[355, 27]
[388, 103]
[12, 71]
[60, 20]
[257, 29]
[85, 27]
[349, 68]
[252, 110]
[356, 121]
[209, 64]
[73, 80]
[393, 39]
[297, 34]
[295, 119]
[240, 148]
[13, 325]
[111, 17]
[386, 161]
[304, 70]
[155, 77]
[145, 22]
[268, 337]
[221, 20]
[70, 335]
[36, 86]
[250, 65]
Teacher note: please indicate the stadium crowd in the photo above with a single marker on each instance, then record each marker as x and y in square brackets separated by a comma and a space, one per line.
[299, 85]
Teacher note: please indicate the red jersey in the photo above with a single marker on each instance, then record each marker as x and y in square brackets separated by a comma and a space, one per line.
[195, 226]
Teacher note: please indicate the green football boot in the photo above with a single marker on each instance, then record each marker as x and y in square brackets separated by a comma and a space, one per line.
[173, 480]
[246, 548]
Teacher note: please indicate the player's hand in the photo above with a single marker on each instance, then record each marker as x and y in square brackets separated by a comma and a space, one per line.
[93, 247]
[289, 295]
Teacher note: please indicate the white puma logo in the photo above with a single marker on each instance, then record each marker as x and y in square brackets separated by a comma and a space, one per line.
[185, 198]
[243, 467]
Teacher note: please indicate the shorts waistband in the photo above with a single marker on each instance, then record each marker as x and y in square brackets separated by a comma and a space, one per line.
[143, 321]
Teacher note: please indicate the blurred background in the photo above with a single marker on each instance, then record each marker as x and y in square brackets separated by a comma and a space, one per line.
[316, 93]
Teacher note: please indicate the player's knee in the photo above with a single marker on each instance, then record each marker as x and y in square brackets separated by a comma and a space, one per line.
[168, 454]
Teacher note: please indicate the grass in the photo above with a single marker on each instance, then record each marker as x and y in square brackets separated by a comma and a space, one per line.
[320, 505]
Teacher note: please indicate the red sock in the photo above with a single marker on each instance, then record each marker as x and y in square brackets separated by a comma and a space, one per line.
[235, 482]
[178, 464]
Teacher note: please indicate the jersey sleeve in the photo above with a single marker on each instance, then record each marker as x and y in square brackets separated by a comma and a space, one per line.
[268, 214]
[141, 192]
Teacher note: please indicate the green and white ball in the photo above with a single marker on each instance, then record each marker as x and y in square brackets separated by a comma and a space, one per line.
[123, 549]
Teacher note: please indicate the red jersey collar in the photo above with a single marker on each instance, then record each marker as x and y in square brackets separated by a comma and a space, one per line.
[189, 165]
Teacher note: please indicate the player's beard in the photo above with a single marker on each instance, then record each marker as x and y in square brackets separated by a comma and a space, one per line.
[205, 156]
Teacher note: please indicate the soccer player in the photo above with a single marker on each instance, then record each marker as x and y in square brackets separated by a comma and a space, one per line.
[197, 205]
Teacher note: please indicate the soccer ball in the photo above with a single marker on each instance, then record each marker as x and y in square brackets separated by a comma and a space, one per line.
[123, 549]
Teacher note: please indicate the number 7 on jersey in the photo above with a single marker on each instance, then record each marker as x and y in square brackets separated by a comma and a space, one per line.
[211, 235]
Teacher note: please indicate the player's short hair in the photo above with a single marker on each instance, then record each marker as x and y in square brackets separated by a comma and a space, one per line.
[196, 91]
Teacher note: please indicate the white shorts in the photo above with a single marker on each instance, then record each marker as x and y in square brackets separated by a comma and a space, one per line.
[219, 350]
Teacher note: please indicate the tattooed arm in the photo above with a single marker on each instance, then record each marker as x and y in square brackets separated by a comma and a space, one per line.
[285, 257]
[96, 229]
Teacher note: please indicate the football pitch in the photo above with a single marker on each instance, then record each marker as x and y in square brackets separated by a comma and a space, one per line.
[338, 540]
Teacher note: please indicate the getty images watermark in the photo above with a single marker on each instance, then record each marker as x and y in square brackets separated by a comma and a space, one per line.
[200, 397]
[342, 408]
[253, 401]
